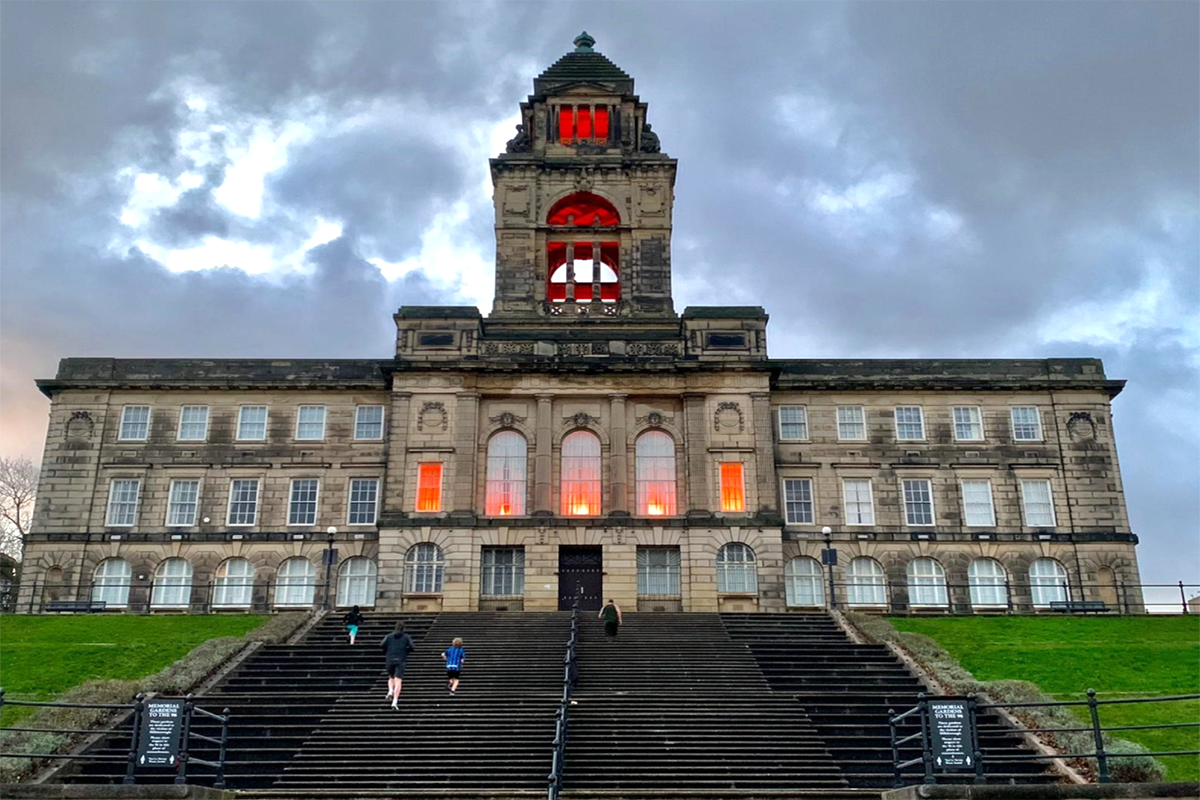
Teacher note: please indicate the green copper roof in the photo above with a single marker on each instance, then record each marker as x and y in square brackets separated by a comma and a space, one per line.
[583, 65]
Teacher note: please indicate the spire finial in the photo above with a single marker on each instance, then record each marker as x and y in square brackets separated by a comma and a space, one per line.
[583, 43]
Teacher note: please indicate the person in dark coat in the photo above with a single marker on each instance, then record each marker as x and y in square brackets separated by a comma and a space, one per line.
[352, 620]
[396, 646]
[611, 614]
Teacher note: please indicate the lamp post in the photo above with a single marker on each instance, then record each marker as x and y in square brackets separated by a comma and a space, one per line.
[330, 560]
[829, 558]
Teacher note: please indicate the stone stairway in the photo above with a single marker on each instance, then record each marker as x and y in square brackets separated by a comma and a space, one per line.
[675, 705]
[846, 690]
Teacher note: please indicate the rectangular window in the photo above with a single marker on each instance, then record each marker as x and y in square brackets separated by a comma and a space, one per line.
[429, 487]
[852, 423]
[182, 503]
[1039, 505]
[368, 422]
[252, 424]
[302, 507]
[977, 504]
[918, 502]
[968, 424]
[193, 424]
[798, 501]
[310, 423]
[364, 500]
[135, 424]
[793, 423]
[658, 572]
[243, 501]
[123, 503]
[733, 487]
[910, 423]
[856, 496]
[566, 124]
[1026, 424]
[503, 572]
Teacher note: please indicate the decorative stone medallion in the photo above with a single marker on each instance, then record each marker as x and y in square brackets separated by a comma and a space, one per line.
[433, 415]
[1081, 425]
[729, 418]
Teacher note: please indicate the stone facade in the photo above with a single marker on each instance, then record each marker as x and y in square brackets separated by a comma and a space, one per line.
[583, 343]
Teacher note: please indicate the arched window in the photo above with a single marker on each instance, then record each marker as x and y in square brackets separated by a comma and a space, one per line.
[423, 569]
[295, 583]
[926, 583]
[234, 585]
[655, 467]
[172, 584]
[583, 265]
[865, 583]
[507, 453]
[736, 569]
[803, 582]
[1047, 582]
[110, 582]
[986, 579]
[356, 582]
[581, 475]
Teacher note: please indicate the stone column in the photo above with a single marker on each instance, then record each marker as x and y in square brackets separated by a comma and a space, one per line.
[466, 437]
[619, 503]
[695, 433]
[396, 455]
[542, 458]
[764, 451]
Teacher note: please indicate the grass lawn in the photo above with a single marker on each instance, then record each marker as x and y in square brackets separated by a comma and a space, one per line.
[42, 656]
[1116, 656]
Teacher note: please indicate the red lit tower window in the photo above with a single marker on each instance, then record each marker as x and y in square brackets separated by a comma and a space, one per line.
[583, 123]
[583, 265]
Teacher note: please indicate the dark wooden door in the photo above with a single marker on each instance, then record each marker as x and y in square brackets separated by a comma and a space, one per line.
[580, 574]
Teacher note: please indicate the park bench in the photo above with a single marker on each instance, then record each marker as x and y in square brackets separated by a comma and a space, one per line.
[75, 606]
[1079, 606]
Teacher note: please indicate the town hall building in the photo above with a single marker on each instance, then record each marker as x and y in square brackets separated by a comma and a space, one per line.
[586, 439]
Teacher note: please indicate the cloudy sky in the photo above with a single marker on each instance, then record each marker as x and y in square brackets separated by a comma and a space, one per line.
[888, 179]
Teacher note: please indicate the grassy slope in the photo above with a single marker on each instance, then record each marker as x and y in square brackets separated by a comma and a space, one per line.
[1117, 656]
[41, 657]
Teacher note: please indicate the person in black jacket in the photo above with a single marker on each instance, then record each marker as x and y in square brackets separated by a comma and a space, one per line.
[396, 646]
[352, 620]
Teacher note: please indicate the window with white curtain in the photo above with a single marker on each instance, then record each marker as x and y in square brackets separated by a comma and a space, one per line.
[1038, 503]
[135, 424]
[658, 572]
[926, 583]
[856, 497]
[793, 423]
[1026, 424]
[968, 424]
[243, 501]
[918, 502]
[737, 570]
[503, 572]
[172, 584]
[986, 579]
[234, 584]
[803, 582]
[356, 582]
[182, 502]
[977, 503]
[581, 475]
[798, 501]
[852, 423]
[123, 503]
[1047, 582]
[507, 468]
[655, 471]
[110, 582]
[910, 423]
[424, 566]
[295, 583]
[866, 584]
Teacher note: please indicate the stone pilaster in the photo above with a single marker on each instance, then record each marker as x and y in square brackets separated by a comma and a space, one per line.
[397, 451]
[542, 456]
[695, 426]
[764, 452]
[466, 434]
[619, 447]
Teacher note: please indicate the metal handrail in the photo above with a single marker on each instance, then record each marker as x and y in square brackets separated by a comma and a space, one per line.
[1092, 702]
[561, 717]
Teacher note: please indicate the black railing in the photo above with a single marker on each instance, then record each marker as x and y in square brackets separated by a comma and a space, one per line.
[135, 721]
[562, 716]
[1006, 597]
[979, 760]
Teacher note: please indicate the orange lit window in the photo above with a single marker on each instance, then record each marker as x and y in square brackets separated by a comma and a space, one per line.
[733, 488]
[429, 487]
[581, 475]
[655, 462]
[506, 461]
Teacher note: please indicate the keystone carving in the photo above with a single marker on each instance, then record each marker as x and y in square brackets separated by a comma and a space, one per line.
[581, 420]
[506, 420]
